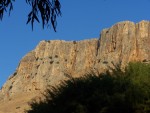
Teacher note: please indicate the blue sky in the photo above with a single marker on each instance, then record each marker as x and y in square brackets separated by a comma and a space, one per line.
[81, 19]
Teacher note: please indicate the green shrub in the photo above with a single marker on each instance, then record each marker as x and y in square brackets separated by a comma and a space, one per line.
[139, 74]
[117, 92]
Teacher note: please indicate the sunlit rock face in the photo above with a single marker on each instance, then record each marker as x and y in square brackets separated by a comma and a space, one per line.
[51, 60]
[126, 42]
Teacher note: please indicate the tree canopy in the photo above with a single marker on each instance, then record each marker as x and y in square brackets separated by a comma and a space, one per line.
[48, 10]
[117, 92]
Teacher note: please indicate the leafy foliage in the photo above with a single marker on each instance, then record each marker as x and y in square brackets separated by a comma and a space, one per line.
[117, 92]
[47, 9]
[4, 5]
[139, 74]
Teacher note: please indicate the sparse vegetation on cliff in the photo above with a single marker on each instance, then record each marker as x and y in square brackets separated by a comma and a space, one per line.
[117, 92]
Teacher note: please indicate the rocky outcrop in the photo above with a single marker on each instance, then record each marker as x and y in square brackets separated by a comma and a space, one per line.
[51, 60]
[126, 42]
[47, 64]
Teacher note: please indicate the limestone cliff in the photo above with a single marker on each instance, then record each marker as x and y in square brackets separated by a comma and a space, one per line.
[50, 60]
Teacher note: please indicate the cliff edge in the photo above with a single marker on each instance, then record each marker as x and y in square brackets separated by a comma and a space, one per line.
[48, 63]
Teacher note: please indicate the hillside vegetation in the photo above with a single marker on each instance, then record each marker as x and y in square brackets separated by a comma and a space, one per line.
[116, 92]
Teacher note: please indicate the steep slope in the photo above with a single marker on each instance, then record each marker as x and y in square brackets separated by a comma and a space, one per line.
[51, 60]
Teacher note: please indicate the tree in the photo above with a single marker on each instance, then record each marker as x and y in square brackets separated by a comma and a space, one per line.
[117, 92]
[49, 10]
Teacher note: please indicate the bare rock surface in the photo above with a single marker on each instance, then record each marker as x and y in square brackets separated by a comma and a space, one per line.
[48, 63]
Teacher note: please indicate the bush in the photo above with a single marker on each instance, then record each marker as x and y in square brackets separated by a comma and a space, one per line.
[139, 74]
[117, 92]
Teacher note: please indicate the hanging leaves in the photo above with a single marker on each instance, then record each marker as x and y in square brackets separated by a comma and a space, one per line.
[4, 6]
[48, 10]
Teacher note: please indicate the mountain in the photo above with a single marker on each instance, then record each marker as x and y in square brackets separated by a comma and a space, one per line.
[51, 61]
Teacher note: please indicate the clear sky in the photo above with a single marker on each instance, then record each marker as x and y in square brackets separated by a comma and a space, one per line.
[81, 19]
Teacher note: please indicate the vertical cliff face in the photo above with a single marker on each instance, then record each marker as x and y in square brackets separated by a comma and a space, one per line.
[125, 42]
[48, 63]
